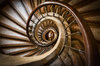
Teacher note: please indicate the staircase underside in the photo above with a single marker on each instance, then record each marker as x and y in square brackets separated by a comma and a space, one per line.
[36, 32]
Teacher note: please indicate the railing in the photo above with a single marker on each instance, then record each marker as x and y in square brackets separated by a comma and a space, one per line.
[90, 49]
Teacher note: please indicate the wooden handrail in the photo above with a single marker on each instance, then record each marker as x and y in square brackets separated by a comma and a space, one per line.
[89, 41]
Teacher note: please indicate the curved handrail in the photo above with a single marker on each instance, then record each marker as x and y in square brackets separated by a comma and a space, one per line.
[90, 47]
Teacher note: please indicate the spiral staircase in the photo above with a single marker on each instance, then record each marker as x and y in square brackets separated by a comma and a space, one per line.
[49, 32]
